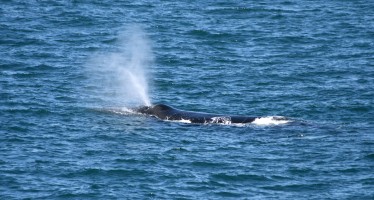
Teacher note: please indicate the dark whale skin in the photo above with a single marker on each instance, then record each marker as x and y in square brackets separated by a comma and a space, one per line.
[166, 112]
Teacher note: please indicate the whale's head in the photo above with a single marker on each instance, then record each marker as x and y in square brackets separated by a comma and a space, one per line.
[144, 110]
[156, 110]
[161, 108]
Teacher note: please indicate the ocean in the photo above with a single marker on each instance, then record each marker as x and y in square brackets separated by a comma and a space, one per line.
[71, 70]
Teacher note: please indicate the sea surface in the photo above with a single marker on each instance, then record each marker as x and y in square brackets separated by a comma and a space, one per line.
[70, 69]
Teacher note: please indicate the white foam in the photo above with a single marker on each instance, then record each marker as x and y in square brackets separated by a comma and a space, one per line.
[120, 111]
[127, 110]
[261, 121]
[185, 121]
[271, 120]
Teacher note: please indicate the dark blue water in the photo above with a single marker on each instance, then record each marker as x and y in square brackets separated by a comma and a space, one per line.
[312, 61]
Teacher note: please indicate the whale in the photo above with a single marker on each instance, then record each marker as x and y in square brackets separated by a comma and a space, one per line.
[165, 112]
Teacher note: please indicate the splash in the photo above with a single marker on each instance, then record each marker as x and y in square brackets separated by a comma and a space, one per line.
[120, 76]
[271, 120]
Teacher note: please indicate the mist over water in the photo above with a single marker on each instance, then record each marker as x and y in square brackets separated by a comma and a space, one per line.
[120, 77]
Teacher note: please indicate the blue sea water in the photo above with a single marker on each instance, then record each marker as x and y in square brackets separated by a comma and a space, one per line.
[60, 79]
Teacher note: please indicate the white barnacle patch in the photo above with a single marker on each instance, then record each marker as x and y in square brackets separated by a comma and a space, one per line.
[220, 120]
